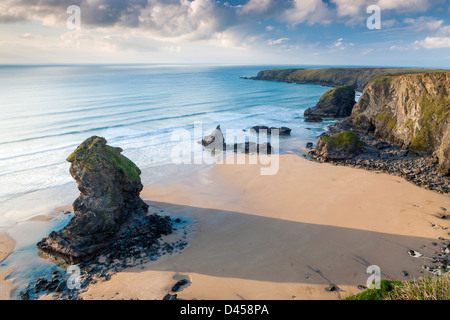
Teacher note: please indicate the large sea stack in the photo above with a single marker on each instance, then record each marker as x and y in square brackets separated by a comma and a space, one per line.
[108, 210]
[335, 103]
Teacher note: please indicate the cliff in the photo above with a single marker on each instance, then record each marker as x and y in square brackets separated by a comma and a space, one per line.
[409, 110]
[334, 77]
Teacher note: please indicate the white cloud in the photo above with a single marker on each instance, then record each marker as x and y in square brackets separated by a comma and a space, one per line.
[404, 5]
[424, 23]
[27, 35]
[341, 45]
[307, 11]
[278, 41]
[256, 6]
[434, 42]
[388, 23]
[357, 7]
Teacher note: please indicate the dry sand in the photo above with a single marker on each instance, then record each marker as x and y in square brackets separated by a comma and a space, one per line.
[6, 248]
[286, 236]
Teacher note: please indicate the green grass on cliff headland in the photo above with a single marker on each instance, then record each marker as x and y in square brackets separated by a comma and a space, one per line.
[348, 87]
[356, 77]
[431, 287]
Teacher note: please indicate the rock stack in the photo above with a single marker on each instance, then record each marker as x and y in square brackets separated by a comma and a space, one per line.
[108, 209]
[335, 103]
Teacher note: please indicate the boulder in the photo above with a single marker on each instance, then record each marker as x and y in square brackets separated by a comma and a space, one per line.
[335, 103]
[252, 147]
[341, 146]
[282, 131]
[215, 140]
[108, 207]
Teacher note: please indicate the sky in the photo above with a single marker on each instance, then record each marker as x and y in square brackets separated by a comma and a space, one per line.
[411, 33]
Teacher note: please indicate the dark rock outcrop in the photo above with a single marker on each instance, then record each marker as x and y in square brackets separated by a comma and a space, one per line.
[313, 119]
[216, 141]
[109, 212]
[335, 103]
[282, 131]
[252, 147]
[341, 146]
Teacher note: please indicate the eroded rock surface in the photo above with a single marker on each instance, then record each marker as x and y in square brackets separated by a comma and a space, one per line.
[109, 212]
[335, 103]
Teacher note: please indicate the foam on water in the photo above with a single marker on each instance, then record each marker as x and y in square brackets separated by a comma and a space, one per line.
[48, 111]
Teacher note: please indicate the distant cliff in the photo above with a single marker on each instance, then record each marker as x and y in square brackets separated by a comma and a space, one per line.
[334, 77]
[410, 110]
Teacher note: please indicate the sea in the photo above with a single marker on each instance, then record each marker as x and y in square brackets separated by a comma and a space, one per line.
[48, 110]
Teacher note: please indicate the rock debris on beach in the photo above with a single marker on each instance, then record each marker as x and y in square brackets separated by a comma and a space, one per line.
[111, 228]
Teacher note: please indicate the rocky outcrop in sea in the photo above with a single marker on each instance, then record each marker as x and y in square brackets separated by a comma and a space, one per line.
[335, 103]
[109, 214]
[216, 141]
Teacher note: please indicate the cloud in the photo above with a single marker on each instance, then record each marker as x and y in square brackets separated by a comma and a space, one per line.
[339, 44]
[278, 41]
[424, 23]
[357, 7]
[170, 25]
[434, 42]
[27, 36]
[257, 7]
[198, 19]
[308, 11]
[388, 23]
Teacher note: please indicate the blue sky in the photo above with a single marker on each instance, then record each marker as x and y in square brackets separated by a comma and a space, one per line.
[334, 32]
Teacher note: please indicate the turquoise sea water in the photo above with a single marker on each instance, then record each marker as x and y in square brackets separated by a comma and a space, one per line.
[47, 111]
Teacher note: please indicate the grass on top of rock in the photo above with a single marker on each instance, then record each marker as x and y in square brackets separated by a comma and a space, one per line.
[343, 139]
[342, 88]
[123, 163]
[89, 153]
[430, 287]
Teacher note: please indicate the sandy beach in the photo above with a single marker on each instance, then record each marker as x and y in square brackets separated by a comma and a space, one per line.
[6, 286]
[286, 236]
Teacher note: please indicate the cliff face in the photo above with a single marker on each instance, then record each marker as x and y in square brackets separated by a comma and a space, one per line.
[334, 77]
[410, 110]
